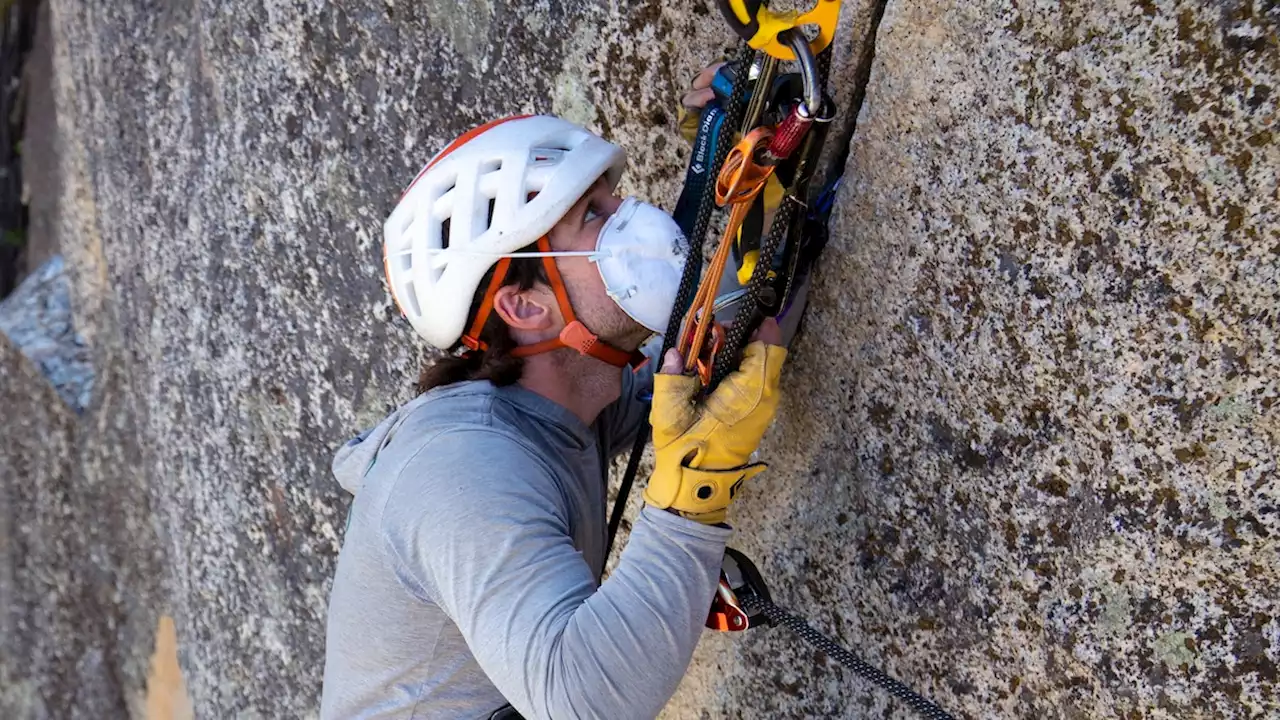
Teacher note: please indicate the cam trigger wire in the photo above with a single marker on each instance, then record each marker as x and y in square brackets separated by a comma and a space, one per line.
[753, 604]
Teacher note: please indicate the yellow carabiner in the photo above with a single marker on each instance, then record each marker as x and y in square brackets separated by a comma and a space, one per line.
[760, 26]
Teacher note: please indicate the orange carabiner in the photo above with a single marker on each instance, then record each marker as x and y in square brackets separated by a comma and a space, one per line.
[707, 360]
[742, 176]
[741, 179]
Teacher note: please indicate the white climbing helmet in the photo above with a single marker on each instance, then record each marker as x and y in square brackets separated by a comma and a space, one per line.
[493, 191]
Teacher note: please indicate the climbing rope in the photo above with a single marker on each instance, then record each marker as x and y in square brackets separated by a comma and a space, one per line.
[753, 604]
[786, 231]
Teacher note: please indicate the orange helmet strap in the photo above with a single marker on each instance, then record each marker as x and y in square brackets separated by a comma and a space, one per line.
[574, 336]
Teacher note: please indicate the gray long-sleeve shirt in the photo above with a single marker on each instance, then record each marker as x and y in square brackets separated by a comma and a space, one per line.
[469, 576]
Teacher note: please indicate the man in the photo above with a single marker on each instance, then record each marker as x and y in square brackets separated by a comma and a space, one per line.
[470, 575]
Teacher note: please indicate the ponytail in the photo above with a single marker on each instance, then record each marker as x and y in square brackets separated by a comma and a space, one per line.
[495, 363]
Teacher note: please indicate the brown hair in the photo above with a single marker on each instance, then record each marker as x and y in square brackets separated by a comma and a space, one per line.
[495, 363]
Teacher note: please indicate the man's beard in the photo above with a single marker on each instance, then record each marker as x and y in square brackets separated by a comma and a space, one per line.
[625, 333]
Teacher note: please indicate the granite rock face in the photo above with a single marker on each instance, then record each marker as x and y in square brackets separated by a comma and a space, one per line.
[38, 443]
[224, 172]
[73, 572]
[1027, 462]
[1029, 459]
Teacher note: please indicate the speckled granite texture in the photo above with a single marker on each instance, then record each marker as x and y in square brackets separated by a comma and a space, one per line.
[224, 171]
[37, 449]
[72, 566]
[1027, 462]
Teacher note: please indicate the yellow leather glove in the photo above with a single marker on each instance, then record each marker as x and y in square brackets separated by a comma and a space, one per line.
[688, 120]
[704, 448]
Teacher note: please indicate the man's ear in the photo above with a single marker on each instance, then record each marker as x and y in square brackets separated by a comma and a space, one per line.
[530, 310]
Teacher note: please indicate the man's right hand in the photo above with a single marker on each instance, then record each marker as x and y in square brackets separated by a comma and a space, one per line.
[703, 448]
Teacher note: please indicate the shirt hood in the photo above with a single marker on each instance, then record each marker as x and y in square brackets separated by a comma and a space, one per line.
[354, 459]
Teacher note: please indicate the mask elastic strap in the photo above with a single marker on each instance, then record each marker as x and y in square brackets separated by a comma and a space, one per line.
[439, 257]
[574, 336]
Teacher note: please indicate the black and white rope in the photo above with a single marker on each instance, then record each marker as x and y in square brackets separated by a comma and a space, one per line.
[754, 604]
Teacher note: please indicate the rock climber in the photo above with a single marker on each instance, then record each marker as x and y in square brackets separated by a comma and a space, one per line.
[470, 576]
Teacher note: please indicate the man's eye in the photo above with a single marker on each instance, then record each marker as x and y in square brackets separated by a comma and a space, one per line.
[592, 214]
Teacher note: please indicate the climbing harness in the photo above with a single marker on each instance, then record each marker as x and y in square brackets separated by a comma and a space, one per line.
[783, 123]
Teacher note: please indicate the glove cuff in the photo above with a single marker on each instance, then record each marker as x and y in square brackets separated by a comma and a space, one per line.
[699, 494]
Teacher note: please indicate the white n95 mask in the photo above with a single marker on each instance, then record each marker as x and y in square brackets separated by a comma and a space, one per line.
[640, 254]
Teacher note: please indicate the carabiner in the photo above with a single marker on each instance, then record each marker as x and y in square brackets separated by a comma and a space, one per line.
[760, 26]
[726, 615]
[812, 103]
[739, 578]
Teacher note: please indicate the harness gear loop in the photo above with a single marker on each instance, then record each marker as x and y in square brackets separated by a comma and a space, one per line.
[760, 26]
[574, 336]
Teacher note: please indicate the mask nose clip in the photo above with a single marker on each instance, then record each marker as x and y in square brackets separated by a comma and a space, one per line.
[626, 294]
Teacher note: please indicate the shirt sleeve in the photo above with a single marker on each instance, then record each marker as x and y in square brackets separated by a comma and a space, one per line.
[490, 543]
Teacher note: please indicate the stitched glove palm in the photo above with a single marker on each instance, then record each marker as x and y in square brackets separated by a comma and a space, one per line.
[703, 448]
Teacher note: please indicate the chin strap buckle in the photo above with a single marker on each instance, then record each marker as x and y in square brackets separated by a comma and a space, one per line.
[577, 337]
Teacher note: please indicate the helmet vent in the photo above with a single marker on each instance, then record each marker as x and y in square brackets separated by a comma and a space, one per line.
[546, 156]
[411, 297]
